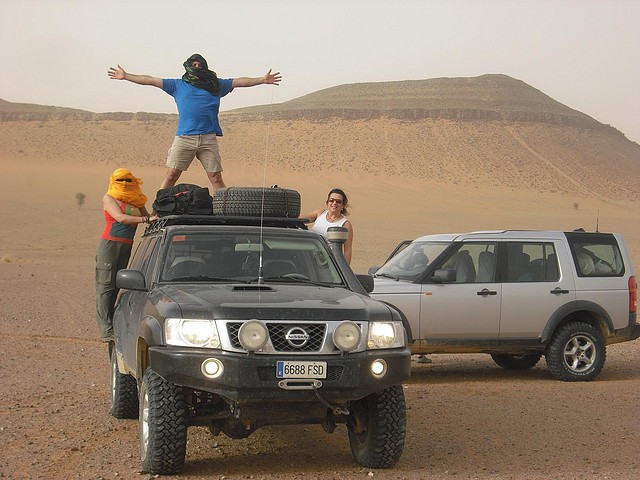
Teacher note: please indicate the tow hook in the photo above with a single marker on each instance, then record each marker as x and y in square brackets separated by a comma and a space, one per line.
[336, 410]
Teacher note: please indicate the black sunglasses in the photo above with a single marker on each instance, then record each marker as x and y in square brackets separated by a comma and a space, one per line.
[128, 180]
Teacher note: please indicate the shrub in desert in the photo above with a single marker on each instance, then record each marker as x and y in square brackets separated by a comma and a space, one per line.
[80, 199]
[575, 205]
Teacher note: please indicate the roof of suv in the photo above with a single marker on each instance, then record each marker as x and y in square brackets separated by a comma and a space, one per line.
[504, 234]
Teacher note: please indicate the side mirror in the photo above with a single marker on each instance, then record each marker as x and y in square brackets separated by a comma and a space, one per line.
[373, 270]
[444, 276]
[366, 281]
[130, 280]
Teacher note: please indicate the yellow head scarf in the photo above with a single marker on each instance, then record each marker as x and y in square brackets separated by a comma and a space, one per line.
[125, 187]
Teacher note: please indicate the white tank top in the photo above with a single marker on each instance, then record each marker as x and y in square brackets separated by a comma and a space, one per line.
[321, 225]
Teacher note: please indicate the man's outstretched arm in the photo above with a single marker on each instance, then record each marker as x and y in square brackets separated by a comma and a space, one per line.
[268, 78]
[118, 73]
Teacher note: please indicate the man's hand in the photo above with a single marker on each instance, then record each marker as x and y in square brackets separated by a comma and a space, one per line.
[117, 73]
[272, 78]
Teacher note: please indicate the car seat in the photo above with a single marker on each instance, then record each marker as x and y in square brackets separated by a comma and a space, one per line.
[486, 266]
[465, 271]
[278, 268]
[186, 267]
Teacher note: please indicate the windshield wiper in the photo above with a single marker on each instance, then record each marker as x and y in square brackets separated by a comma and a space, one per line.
[205, 278]
[298, 278]
[386, 275]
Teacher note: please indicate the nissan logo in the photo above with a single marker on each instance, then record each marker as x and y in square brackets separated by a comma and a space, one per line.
[297, 337]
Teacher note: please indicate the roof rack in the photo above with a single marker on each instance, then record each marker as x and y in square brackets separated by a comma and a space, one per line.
[283, 222]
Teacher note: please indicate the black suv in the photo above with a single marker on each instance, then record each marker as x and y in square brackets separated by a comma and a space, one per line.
[236, 323]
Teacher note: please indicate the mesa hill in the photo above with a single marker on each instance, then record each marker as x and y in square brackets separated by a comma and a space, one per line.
[491, 130]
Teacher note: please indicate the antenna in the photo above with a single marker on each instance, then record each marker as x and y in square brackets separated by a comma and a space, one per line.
[264, 176]
[598, 221]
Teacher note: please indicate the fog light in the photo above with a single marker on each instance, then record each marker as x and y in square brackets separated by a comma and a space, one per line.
[253, 335]
[346, 336]
[379, 368]
[212, 368]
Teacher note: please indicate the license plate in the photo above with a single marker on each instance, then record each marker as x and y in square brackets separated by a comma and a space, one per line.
[301, 369]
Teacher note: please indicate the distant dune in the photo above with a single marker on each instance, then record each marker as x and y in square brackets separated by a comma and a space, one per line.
[415, 157]
[491, 130]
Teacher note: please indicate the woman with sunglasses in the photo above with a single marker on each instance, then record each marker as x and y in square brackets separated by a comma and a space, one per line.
[335, 215]
[124, 209]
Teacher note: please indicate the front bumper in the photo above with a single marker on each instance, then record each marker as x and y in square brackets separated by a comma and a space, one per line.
[250, 377]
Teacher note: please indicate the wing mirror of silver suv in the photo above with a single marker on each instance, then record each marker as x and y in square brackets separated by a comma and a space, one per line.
[444, 276]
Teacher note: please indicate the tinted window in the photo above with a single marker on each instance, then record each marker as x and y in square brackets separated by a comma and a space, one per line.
[596, 255]
[531, 262]
[136, 260]
[149, 260]
[228, 256]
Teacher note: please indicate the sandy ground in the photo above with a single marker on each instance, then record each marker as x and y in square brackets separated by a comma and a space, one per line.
[467, 418]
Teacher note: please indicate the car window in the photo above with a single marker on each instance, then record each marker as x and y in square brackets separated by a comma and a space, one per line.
[138, 255]
[228, 256]
[531, 262]
[597, 260]
[149, 259]
[473, 262]
[596, 254]
[412, 260]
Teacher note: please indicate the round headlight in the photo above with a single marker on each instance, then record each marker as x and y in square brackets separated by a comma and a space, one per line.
[212, 368]
[379, 368]
[253, 335]
[346, 336]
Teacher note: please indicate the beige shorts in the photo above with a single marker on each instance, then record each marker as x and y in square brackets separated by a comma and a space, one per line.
[203, 147]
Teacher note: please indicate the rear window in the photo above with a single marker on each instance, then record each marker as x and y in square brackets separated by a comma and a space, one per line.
[596, 255]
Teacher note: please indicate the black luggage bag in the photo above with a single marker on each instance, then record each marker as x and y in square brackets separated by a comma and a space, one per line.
[183, 199]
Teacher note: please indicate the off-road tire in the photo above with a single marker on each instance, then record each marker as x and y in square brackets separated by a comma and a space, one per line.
[377, 428]
[256, 202]
[576, 352]
[163, 425]
[124, 391]
[516, 362]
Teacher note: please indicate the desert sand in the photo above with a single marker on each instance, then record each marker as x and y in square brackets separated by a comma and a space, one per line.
[467, 418]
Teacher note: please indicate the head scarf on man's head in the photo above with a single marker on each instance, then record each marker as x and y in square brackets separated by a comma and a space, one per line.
[125, 187]
[201, 77]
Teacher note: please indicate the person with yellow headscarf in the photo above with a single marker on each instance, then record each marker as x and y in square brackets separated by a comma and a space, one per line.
[124, 209]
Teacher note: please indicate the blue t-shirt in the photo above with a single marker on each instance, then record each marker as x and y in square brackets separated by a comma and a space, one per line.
[197, 108]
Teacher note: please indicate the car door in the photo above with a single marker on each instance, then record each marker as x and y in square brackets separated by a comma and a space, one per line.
[465, 311]
[535, 284]
[134, 301]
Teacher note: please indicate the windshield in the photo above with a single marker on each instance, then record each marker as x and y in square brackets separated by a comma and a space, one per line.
[233, 257]
[412, 261]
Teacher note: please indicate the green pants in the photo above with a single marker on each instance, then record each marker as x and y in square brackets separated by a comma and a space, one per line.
[110, 257]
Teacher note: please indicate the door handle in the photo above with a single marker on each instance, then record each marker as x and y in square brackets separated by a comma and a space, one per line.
[486, 292]
[558, 291]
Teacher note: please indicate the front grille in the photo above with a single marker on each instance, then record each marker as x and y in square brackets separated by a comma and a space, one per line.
[269, 373]
[278, 335]
[232, 330]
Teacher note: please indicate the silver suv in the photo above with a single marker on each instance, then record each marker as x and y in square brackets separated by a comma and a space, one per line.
[516, 295]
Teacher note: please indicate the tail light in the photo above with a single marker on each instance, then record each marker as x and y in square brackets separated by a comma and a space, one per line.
[633, 294]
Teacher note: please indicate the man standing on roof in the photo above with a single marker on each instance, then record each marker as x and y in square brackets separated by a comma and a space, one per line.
[197, 96]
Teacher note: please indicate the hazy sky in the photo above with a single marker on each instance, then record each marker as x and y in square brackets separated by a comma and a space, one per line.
[583, 53]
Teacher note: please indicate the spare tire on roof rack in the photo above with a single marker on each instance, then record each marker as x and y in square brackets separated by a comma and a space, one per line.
[257, 201]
